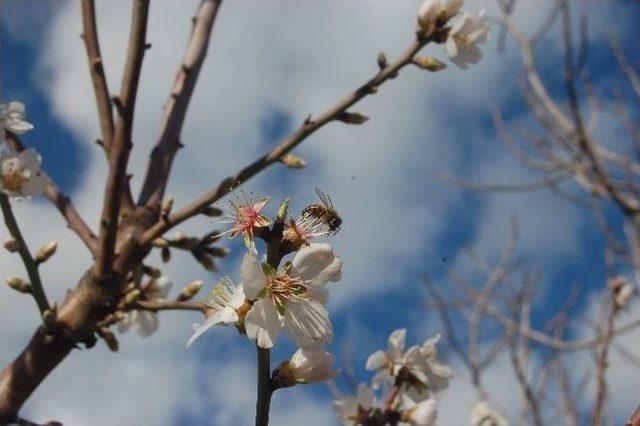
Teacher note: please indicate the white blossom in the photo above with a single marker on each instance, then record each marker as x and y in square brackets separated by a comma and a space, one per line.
[422, 373]
[21, 174]
[352, 410]
[467, 31]
[292, 298]
[224, 300]
[146, 322]
[12, 118]
[421, 413]
[482, 414]
[312, 365]
[432, 11]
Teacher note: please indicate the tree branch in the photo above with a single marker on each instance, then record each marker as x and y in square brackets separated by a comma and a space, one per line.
[96, 69]
[117, 185]
[175, 109]
[309, 127]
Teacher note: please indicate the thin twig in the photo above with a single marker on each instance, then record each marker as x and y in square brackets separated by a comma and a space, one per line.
[30, 264]
[117, 184]
[96, 69]
[175, 109]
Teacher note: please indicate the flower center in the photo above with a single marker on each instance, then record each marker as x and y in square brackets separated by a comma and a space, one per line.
[283, 288]
[220, 296]
[14, 178]
[247, 217]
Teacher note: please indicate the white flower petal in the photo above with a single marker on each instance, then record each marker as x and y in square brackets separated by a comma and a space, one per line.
[376, 361]
[396, 343]
[35, 186]
[224, 316]
[316, 264]
[238, 297]
[312, 365]
[253, 278]
[308, 323]
[263, 323]
[147, 323]
[423, 414]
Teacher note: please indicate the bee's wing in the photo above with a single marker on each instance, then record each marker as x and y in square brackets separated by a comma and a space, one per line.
[324, 197]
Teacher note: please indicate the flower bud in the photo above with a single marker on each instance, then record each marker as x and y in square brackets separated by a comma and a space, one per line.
[12, 245]
[212, 211]
[190, 290]
[19, 284]
[165, 254]
[109, 338]
[427, 16]
[428, 63]
[355, 118]
[293, 161]
[131, 298]
[46, 251]
[382, 61]
[167, 205]
[160, 243]
[49, 317]
[282, 211]
[152, 272]
[305, 366]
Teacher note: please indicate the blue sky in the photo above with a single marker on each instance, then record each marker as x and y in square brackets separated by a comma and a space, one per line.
[400, 224]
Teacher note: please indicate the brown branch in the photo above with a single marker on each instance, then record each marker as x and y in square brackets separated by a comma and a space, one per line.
[309, 127]
[164, 305]
[175, 109]
[117, 184]
[509, 188]
[22, 377]
[602, 362]
[96, 69]
[61, 201]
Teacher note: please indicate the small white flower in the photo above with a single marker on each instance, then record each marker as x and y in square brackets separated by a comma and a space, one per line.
[21, 174]
[418, 365]
[224, 300]
[354, 410]
[292, 298]
[312, 365]
[12, 118]
[422, 413]
[482, 414]
[433, 11]
[147, 322]
[467, 31]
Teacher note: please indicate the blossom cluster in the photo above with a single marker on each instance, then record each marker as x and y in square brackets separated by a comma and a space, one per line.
[461, 32]
[403, 387]
[20, 173]
[273, 298]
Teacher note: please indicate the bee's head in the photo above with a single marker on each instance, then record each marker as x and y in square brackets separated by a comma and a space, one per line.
[334, 223]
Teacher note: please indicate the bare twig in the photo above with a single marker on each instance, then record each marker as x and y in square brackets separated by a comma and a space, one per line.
[117, 184]
[37, 290]
[175, 109]
[96, 69]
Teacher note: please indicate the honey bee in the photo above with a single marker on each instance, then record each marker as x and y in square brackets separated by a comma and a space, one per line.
[324, 212]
